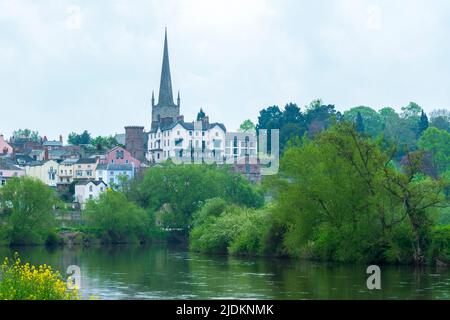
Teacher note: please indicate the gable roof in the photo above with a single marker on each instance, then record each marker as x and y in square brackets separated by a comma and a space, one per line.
[9, 165]
[86, 182]
[86, 161]
[188, 126]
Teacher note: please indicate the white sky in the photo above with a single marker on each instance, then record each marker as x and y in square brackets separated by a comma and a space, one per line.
[73, 65]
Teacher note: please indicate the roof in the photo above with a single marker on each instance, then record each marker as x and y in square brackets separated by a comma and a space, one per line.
[53, 143]
[36, 152]
[70, 161]
[115, 167]
[87, 161]
[189, 126]
[24, 157]
[9, 165]
[85, 182]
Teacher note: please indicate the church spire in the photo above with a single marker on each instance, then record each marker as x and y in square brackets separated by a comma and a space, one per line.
[165, 88]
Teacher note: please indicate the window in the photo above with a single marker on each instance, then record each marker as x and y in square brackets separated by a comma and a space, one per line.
[178, 132]
[217, 134]
[1, 174]
[126, 161]
[196, 133]
[91, 197]
[90, 188]
[89, 173]
[79, 173]
[190, 133]
[119, 154]
[203, 133]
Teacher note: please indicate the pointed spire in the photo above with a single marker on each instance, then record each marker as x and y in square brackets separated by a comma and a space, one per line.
[165, 88]
[178, 99]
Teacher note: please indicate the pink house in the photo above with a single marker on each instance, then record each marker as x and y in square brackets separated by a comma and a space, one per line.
[5, 148]
[9, 170]
[119, 155]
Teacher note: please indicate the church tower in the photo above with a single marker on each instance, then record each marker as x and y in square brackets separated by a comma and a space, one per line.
[165, 111]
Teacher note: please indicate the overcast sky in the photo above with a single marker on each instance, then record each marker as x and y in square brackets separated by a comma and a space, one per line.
[73, 65]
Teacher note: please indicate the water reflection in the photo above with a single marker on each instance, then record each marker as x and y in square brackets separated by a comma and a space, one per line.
[168, 272]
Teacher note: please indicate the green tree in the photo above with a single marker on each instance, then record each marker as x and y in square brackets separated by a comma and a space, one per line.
[184, 188]
[437, 142]
[247, 126]
[79, 139]
[117, 220]
[104, 143]
[423, 124]
[359, 122]
[26, 134]
[28, 204]
[339, 197]
[371, 120]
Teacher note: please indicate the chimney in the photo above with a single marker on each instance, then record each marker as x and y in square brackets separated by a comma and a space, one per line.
[180, 118]
[205, 119]
[46, 153]
[61, 138]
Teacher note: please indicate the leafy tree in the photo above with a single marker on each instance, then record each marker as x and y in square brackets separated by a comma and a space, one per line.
[440, 119]
[371, 121]
[185, 188]
[247, 126]
[79, 139]
[28, 204]
[291, 114]
[104, 143]
[423, 124]
[117, 220]
[359, 122]
[340, 198]
[26, 134]
[319, 117]
[437, 142]
[441, 123]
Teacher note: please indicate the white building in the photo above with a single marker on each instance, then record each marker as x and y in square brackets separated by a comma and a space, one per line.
[187, 141]
[66, 171]
[113, 174]
[46, 171]
[88, 190]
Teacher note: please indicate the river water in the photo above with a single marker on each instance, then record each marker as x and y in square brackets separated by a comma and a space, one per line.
[172, 272]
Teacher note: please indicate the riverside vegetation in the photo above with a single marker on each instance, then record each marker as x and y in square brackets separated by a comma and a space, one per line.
[364, 186]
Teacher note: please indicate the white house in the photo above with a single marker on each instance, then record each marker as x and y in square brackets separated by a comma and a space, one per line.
[113, 174]
[46, 171]
[186, 141]
[88, 190]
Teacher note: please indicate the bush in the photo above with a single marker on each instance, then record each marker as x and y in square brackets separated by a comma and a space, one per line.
[440, 245]
[28, 204]
[24, 282]
[219, 228]
[117, 220]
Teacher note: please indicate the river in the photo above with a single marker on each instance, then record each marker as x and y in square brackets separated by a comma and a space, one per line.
[172, 272]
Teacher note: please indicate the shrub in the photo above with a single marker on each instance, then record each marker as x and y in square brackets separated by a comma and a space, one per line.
[440, 245]
[117, 220]
[24, 282]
